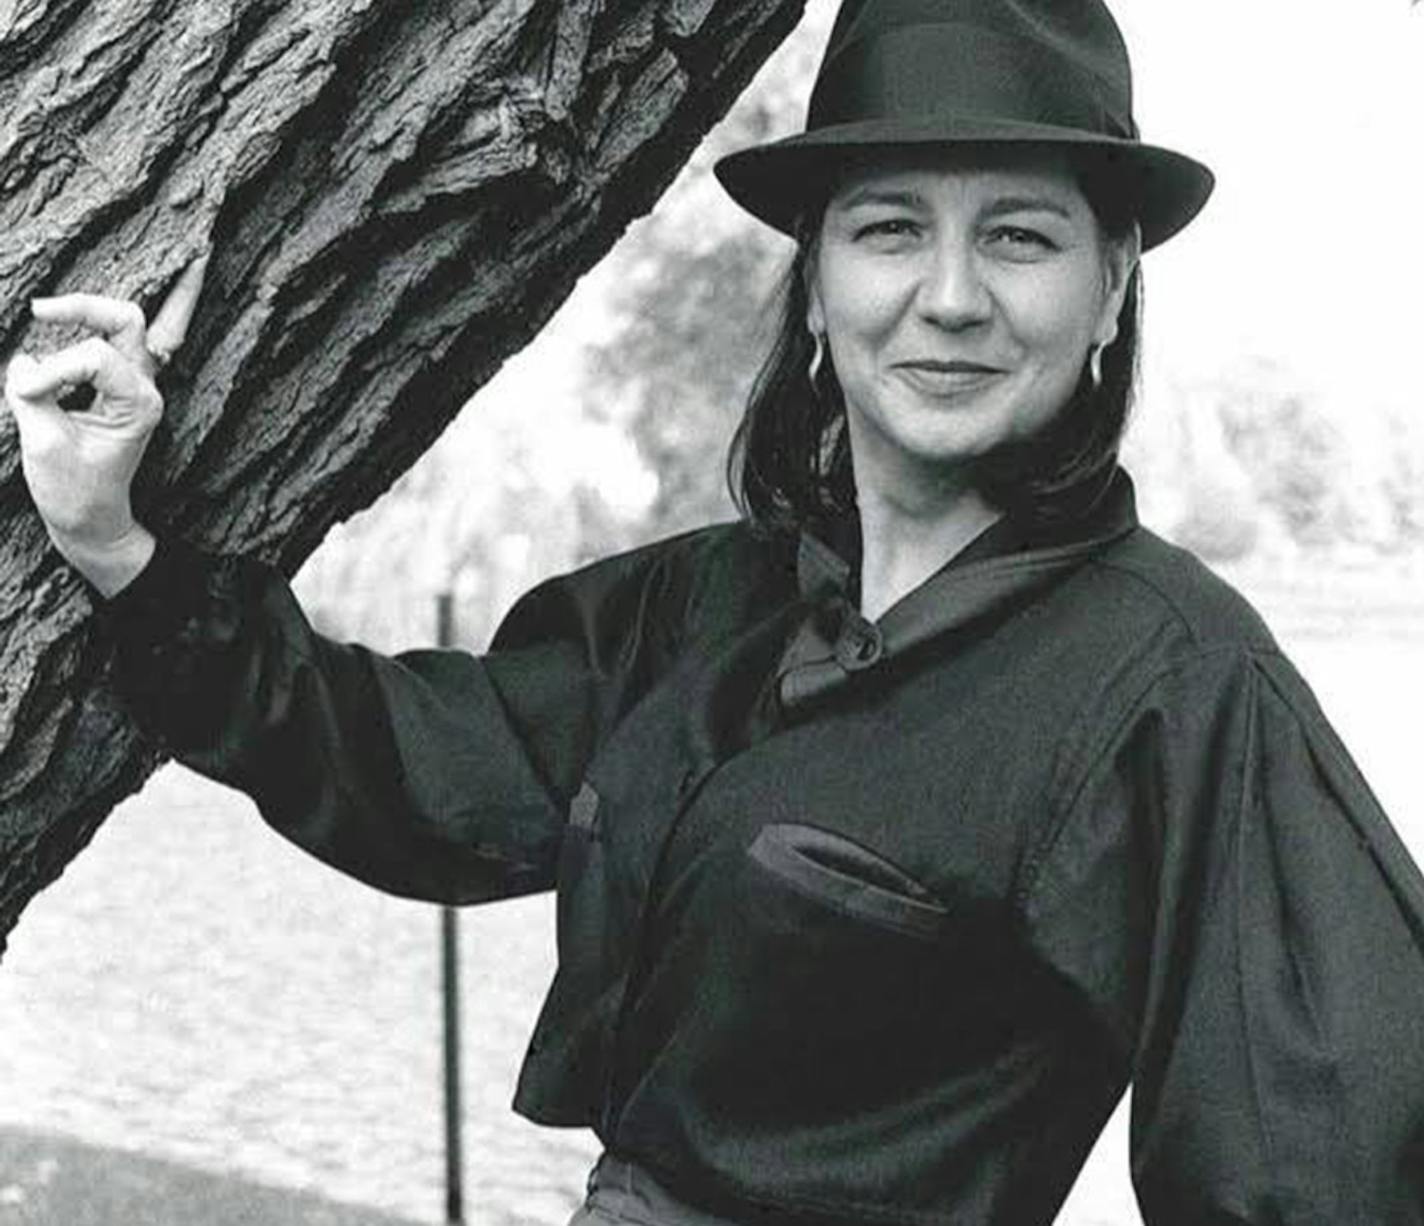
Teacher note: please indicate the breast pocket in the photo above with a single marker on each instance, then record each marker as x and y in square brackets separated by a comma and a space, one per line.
[841, 874]
[817, 987]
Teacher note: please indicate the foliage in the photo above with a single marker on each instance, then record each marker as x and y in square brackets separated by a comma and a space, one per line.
[1251, 461]
[695, 316]
[478, 516]
[685, 357]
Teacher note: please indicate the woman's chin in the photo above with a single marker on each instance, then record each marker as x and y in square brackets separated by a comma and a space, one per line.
[912, 431]
[941, 453]
[950, 438]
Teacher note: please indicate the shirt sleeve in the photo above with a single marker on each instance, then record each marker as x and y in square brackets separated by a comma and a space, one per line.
[432, 774]
[1239, 914]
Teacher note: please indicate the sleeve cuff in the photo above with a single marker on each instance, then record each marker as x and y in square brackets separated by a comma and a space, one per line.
[176, 587]
[174, 630]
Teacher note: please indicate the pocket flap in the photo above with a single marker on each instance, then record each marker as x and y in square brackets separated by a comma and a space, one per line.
[843, 874]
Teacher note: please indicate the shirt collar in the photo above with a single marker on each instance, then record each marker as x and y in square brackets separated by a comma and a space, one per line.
[1007, 563]
[821, 567]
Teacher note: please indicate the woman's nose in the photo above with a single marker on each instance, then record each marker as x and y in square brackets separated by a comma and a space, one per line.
[952, 293]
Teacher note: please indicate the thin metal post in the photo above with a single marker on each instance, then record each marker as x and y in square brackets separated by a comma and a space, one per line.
[454, 1173]
[450, 990]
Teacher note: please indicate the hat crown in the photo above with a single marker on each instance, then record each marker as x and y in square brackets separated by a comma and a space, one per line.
[1048, 61]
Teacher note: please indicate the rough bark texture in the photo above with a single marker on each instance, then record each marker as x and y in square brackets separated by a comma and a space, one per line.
[398, 196]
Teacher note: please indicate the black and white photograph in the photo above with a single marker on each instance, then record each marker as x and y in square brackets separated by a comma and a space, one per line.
[711, 613]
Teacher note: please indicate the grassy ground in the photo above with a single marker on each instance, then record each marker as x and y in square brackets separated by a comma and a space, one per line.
[47, 1180]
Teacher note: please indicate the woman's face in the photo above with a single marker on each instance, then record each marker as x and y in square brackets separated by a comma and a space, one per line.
[959, 302]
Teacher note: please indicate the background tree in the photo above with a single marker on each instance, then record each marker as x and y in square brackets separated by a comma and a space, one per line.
[687, 338]
[397, 196]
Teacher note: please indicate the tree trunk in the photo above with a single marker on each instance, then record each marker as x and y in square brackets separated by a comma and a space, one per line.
[397, 197]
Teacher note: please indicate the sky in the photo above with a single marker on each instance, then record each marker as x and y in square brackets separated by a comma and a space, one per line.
[1311, 113]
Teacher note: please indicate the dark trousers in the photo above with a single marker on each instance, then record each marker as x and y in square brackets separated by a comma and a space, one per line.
[620, 1192]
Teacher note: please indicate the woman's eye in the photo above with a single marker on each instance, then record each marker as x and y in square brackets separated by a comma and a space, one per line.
[888, 228]
[1021, 240]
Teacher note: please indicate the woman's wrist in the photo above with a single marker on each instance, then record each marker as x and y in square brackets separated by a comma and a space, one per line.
[112, 566]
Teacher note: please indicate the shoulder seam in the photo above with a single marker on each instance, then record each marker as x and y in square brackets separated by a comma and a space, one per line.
[1143, 581]
[1062, 811]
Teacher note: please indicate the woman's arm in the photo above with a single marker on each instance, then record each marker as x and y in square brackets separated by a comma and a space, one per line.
[404, 771]
[1240, 915]
[432, 774]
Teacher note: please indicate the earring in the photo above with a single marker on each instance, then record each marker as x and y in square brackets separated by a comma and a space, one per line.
[1095, 365]
[818, 357]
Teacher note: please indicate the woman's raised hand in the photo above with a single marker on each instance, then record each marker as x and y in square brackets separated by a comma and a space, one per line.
[80, 465]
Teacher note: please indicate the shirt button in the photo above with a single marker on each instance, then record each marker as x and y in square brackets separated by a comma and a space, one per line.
[859, 646]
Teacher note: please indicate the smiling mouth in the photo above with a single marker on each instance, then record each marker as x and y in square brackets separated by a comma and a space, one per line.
[943, 378]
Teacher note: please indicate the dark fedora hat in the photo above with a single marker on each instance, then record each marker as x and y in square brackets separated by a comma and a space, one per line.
[920, 73]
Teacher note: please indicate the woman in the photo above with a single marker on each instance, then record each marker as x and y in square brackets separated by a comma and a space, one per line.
[898, 827]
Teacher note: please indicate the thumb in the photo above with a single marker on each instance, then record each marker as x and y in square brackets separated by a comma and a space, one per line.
[170, 325]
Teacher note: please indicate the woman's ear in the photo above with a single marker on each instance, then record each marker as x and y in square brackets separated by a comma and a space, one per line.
[1120, 263]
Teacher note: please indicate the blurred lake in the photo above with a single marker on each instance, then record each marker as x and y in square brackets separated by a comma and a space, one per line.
[196, 989]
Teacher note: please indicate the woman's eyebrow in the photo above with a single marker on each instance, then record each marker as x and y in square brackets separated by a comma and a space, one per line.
[870, 194]
[1026, 204]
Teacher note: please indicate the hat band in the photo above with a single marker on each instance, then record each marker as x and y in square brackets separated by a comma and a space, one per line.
[950, 69]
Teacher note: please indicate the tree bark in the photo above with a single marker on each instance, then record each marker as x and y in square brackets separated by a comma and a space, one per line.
[397, 197]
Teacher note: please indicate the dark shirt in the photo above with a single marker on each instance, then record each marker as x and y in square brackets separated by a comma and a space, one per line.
[872, 922]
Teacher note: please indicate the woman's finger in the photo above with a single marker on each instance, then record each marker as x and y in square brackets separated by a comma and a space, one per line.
[20, 378]
[92, 361]
[121, 322]
[41, 422]
[170, 324]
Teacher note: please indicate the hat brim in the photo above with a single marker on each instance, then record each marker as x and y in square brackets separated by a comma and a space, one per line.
[776, 182]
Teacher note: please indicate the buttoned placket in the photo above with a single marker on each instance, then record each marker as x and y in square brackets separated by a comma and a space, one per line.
[699, 750]
[689, 785]
[860, 645]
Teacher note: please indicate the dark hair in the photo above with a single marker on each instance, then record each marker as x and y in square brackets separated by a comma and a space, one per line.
[789, 466]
